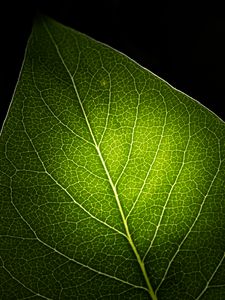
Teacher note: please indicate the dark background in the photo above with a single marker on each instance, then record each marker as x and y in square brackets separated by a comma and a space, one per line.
[183, 44]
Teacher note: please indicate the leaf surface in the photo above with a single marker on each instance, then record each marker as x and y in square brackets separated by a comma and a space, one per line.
[112, 181]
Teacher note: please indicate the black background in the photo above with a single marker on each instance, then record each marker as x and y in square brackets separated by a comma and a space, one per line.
[183, 44]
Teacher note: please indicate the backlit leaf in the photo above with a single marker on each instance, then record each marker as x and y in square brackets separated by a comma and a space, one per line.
[112, 181]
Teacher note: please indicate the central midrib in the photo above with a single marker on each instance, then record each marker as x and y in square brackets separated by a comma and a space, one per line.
[129, 238]
[128, 235]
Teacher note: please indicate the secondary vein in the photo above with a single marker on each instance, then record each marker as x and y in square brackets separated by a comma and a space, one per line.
[64, 255]
[62, 187]
[193, 224]
[171, 191]
[129, 238]
[21, 283]
[153, 161]
[210, 279]
[132, 133]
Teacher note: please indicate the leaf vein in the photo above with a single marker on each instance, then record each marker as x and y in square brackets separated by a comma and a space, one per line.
[153, 162]
[133, 130]
[21, 283]
[54, 115]
[67, 257]
[172, 188]
[193, 224]
[64, 189]
[210, 279]
[128, 235]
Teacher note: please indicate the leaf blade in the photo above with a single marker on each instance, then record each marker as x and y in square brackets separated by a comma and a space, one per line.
[110, 153]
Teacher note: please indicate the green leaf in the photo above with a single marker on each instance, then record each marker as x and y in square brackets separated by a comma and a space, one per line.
[112, 181]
